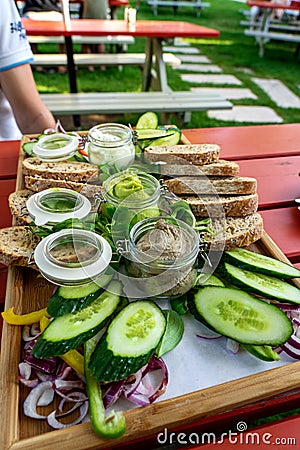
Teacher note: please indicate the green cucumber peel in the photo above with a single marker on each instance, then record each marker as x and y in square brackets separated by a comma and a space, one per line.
[173, 332]
[112, 426]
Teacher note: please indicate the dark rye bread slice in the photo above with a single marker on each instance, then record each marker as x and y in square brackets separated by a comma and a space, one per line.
[212, 185]
[91, 191]
[17, 204]
[79, 172]
[216, 206]
[16, 245]
[235, 232]
[216, 169]
[38, 183]
[197, 154]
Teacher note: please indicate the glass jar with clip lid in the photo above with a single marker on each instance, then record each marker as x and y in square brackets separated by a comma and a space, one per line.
[128, 197]
[161, 257]
[72, 257]
[111, 143]
[56, 147]
[55, 205]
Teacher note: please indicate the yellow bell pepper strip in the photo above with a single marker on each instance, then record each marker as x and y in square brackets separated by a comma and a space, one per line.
[23, 319]
[73, 358]
[113, 425]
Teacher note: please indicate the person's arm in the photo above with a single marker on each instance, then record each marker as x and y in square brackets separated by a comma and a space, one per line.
[31, 114]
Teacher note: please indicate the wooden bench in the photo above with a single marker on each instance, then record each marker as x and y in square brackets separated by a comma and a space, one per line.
[98, 59]
[133, 102]
[196, 4]
[262, 37]
[118, 41]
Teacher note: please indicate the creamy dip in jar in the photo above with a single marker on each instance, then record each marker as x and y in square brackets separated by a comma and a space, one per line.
[161, 256]
[111, 143]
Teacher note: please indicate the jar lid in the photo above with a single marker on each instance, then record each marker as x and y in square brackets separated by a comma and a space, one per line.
[56, 147]
[72, 257]
[55, 205]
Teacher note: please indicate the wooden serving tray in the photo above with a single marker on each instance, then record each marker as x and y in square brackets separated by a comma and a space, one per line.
[28, 291]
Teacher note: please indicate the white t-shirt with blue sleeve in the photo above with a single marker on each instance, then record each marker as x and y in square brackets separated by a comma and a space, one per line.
[14, 51]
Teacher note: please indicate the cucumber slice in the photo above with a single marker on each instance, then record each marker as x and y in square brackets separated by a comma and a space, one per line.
[212, 280]
[257, 283]
[147, 120]
[263, 352]
[67, 332]
[245, 259]
[171, 139]
[152, 134]
[241, 316]
[173, 332]
[70, 299]
[129, 342]
[27, 147]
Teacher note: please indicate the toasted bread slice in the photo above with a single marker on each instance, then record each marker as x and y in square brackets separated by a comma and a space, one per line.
[215, 205]
[215, 169]
[74, 171]
[17, 204]
[197, 154]
[212, 185]
[235, 232]
[16, 245]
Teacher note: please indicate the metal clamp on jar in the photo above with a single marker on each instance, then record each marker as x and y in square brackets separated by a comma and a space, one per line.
[56, 147]
[55, 205]
[160, 258]
[111, 143]
[72, 257]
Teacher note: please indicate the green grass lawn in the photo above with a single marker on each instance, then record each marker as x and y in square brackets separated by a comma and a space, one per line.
[234, 52]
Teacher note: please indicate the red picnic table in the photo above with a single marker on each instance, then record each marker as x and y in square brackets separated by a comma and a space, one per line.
[154, 31]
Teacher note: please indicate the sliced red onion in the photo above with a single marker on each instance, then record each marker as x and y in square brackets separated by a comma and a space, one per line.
[30, 332]
[112, 393]
[32, 399]
[46, 398]
[56, 424]
[208, 334]
[25, 370]
[232, 346]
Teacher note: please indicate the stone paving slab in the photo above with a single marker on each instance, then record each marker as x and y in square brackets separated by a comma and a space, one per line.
[228, 93]
[251, 114]
[211, 79]
[194, 59]
[278, 92]
[186, 50]
[199, 68]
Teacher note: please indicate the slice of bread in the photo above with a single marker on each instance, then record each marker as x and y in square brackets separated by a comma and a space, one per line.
[79, 172]
[17, 204]
[216, 206]
[212, 185]
[16, 245]
[197, 154]
[216, 169]
[38, 183]
[235, 232]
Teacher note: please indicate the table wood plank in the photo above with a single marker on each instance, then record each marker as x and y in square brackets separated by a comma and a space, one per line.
[283, 225]
[259, 141]
[278, 182]
[9, 153]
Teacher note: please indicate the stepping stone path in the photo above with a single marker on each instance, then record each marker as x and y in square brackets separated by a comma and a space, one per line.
[199, 67]
[193, 61]
[228, 93]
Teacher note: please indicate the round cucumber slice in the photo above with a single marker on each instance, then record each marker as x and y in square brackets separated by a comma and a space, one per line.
[241, 316]
[136, 330]
[147, 120]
